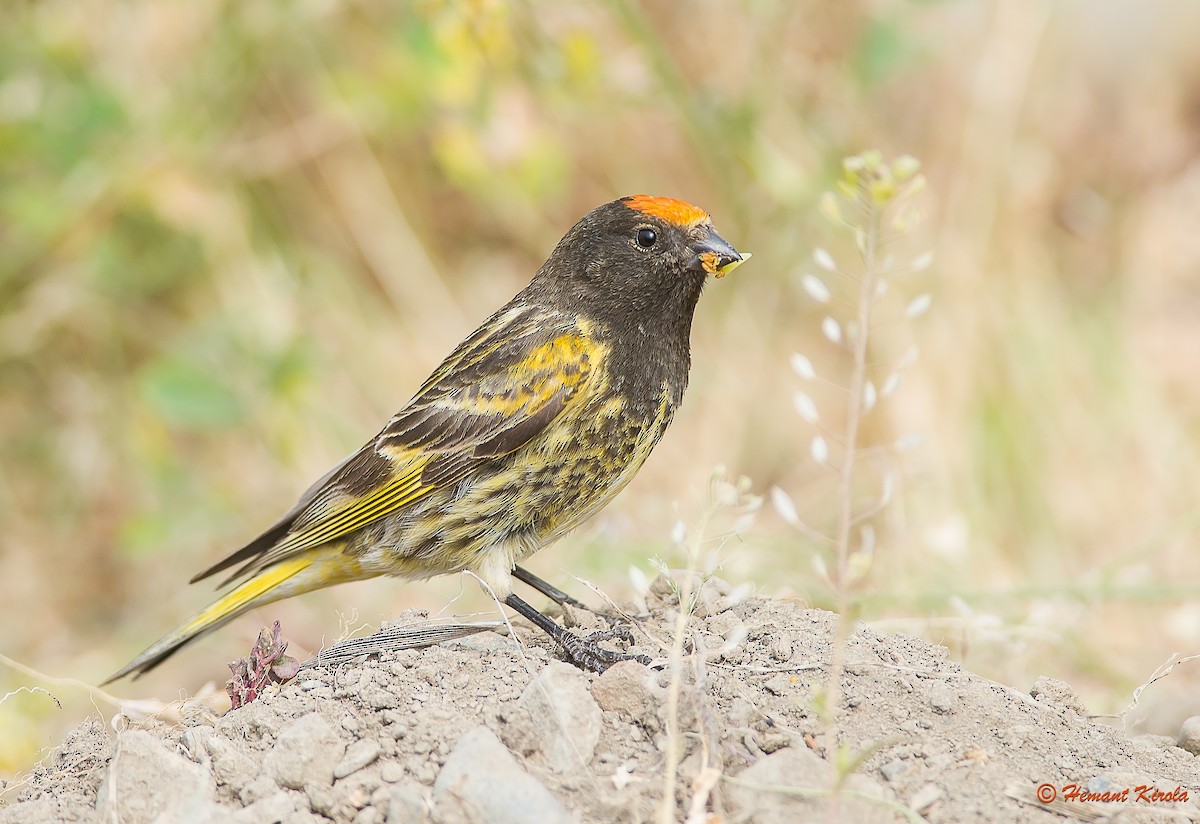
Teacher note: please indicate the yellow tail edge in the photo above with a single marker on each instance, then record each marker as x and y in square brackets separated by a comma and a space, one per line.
[225, 609]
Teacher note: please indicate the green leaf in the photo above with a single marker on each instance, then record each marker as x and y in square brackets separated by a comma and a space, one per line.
[190, 396]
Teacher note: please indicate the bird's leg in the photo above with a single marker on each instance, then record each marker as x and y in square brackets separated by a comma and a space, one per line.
[550, 591]
[581, 652]
[616, 623]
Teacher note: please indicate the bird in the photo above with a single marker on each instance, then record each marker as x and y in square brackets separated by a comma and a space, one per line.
[528, 428]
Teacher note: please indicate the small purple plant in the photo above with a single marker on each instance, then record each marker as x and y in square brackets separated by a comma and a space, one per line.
[265, 665]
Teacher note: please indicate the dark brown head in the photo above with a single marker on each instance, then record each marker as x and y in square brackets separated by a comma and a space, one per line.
[636, 263]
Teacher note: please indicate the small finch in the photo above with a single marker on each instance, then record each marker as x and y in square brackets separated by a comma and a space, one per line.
[529, 427]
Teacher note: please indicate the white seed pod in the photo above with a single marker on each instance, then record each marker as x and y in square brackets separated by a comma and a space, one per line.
[803, 367]
[921, 262]
[639, 581]
[908, 358]
[870, 396]
[919, 305]
[890, 385]
[909, 441]
[815, 288]
[889, 489]
[805, 407]
[818, 565]
[784, 506]
[831, 330]
[824, 260]
[819, 450]
[679, 532]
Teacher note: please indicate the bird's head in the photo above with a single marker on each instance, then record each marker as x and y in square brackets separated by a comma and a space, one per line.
[640, 254]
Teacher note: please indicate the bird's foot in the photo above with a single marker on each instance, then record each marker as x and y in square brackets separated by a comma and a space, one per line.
[586, 654]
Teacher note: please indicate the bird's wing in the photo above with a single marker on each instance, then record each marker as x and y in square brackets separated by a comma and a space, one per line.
[499, 389]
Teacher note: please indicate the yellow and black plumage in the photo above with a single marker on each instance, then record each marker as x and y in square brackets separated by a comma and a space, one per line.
[528, 428]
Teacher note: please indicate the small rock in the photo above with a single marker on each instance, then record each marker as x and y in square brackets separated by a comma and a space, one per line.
[1053, 691]
[367, 815]
[197, 714]
[321, 800]
[193, 743]
[801, 768]
[482, 781]
[1100, 784]
[516, 729]
[148, 782]
[275, 807]
[942, 698]
[406, 804]
[257, 789]
[773, 741]
[782, 684]
[725, 623]
[782, 648]
[566, 716]
[926, 797]
[379, 699]
[892, 769]
[306, 753]
[940, 761]
[627, 689]
[1189, 735]
[358, 755]
[231, 767]
[391, 772]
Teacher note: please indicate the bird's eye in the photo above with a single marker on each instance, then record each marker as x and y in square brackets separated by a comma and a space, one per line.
[646, 238]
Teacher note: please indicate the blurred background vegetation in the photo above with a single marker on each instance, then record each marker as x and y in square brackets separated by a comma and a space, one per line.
[234, 237]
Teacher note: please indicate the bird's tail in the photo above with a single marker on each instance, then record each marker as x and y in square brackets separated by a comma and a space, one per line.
[291, 576]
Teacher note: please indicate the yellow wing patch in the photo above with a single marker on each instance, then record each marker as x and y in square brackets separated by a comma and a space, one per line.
[387, 497]
[669, 209]
[557, 366]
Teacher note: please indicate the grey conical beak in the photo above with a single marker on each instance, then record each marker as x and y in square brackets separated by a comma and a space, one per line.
[714, 254]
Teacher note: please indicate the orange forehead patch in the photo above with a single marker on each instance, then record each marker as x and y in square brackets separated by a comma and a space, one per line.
[667, 208]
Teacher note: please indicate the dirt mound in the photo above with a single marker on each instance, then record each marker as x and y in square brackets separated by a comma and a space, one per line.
[484, 729]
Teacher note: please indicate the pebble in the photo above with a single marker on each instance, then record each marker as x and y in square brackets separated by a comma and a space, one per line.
[257, 789]
[275, 807]
[321, 800]
[391, 772]
[926, 797]
[230, 765]
[358, 755]
[483, 781]
[147, 781]
[942, 698]
[407, 803]
[567, 718]
[1189, 735]
[1053, 691]
[306, 753]
[802, 769]
[626, 689]
[892, 769]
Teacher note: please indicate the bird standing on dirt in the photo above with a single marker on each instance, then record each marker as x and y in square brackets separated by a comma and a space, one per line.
[528, 428]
